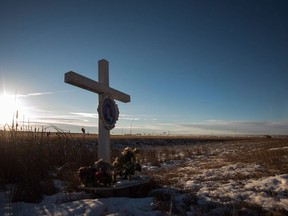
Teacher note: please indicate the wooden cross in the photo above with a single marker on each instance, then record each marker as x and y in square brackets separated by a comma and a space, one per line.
[103, 90]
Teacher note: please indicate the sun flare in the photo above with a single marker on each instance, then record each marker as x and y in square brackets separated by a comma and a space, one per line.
[11, 109]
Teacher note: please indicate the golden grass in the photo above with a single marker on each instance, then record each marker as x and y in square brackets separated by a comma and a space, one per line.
[269, 154]
[32, 160]
[28, 159]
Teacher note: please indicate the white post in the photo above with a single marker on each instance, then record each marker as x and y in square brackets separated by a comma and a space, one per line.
[104, 134]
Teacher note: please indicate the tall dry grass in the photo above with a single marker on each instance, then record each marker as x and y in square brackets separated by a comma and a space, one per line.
[30, 161]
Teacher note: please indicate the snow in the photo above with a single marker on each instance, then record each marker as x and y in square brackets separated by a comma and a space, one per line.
[63, 204]
[274, 149]
[270, 193]
[217, 189]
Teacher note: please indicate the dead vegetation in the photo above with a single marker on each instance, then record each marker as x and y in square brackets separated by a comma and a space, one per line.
[270, 154]
[244, 159]
[31, 161]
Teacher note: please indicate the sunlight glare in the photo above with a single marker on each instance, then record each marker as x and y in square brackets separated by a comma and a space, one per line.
[10, 108]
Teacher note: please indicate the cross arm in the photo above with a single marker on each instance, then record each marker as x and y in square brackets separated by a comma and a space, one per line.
[94, 86]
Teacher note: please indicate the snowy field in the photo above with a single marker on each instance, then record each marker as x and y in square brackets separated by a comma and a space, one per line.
[241, 177]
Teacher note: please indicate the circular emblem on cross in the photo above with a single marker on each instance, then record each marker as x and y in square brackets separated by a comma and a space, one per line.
[108, 112]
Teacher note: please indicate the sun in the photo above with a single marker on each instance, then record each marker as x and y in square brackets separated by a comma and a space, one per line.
[10, 110]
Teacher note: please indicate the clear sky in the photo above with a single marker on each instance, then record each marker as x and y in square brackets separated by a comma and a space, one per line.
[190, 67]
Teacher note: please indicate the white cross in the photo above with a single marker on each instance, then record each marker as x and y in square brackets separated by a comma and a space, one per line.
[103, 90]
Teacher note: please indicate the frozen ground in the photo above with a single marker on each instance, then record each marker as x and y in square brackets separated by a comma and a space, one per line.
[214, 179]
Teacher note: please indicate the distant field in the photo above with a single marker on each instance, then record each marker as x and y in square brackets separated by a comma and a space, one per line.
[93, 137]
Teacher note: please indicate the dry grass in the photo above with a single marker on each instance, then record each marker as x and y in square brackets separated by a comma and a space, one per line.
[29, 160]
[270, 155]
[32, 160]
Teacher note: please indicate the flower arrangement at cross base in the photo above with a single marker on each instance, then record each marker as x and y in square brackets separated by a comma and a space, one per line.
[126, 165]
[103, 173]
[98, 175]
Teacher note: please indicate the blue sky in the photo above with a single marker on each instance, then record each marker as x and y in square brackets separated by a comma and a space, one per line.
[190, 67]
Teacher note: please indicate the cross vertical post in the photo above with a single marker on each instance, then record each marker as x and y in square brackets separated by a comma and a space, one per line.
[104, 134]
